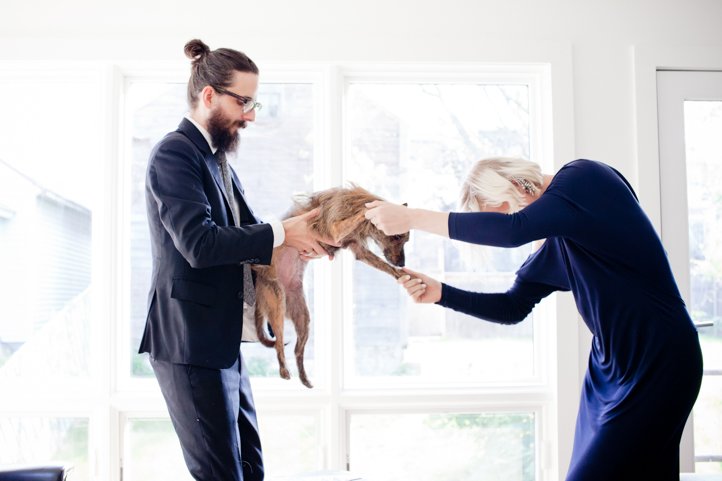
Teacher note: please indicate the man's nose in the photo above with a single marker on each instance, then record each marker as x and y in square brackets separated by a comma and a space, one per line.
[250, 116]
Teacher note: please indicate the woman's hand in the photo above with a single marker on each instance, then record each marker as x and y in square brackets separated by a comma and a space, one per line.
[422, 288]
[300, 237]
[391, 219]
[394, 219]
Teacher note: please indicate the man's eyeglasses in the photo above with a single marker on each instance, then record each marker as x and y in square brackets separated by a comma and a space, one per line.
[247, 103]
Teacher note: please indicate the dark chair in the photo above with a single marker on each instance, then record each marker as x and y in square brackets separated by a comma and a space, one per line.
[35, 473]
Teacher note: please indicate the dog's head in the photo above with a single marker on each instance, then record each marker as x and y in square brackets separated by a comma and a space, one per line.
[392, 246]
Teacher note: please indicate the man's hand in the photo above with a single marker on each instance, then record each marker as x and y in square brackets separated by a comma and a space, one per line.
[300, 237]
[422, 288]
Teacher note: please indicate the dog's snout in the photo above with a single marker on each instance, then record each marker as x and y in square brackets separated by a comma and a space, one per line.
[399, 260]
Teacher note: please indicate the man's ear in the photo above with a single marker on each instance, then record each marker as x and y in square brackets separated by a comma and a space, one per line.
[206, 96]
[346, 226]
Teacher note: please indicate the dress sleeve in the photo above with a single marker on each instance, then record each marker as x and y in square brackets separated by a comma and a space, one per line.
[510, 307]
[569, 208]
[549, 216]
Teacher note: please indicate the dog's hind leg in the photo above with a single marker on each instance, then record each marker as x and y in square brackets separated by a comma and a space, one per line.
[298, 313]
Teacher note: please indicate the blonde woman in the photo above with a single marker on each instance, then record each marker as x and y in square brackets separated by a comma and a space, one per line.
[645, 365]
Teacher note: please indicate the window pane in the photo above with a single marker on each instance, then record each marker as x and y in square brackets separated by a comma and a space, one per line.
[152, 451]
[703, 123]
[441, 447]
[38, 440]
[275, 161]
[708, 426]
[415, 143]
[46, 202]
[290, 445]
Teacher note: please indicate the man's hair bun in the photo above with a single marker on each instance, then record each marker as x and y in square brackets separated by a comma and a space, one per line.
[196, 49]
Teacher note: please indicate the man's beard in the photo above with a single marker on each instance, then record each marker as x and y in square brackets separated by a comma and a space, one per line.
[223, 138]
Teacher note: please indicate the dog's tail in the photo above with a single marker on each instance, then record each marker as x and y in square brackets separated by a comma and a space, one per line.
[261, 329]
[270, 300]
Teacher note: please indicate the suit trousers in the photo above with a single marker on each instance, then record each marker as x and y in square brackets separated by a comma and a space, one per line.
[214, 416]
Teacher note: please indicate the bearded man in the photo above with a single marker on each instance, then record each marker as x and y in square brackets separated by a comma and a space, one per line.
[204, 236]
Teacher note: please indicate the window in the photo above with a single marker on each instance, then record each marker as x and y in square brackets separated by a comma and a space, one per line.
[382, 366]
[488, 446]
[415, 142]
[414, 139]
[32, 439]
[703, 120]
[48, 196]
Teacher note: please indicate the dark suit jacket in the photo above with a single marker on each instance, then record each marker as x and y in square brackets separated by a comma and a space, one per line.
[195, 304]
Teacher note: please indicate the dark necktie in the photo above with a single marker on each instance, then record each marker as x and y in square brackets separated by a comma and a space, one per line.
[249, 293]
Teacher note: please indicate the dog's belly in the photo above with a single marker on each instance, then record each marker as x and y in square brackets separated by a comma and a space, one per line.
[289, 268]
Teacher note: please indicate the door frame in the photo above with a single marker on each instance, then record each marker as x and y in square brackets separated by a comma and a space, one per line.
[649, 61]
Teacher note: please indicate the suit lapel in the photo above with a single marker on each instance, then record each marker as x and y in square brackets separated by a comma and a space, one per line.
[215, 170]
[187, 128]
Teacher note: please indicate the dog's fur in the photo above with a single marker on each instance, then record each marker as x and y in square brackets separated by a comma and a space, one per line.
[279, 287]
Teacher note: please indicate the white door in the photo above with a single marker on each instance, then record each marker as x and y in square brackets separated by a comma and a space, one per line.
[690, 151]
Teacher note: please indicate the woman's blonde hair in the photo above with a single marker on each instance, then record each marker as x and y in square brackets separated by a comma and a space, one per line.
[496, 180]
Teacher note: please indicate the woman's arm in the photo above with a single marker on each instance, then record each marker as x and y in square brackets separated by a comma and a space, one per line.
[548, 216]
[508, 307]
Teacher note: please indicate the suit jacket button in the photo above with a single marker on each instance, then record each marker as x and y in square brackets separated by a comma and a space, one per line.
[240, 294]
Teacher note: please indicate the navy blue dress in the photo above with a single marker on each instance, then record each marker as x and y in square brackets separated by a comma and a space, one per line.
[645, 365]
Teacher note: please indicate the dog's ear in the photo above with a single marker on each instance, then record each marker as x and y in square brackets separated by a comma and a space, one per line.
[342, 229]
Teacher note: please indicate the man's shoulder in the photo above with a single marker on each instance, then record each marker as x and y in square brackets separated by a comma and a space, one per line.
[186, 135]
[176, 143]
[176, 138]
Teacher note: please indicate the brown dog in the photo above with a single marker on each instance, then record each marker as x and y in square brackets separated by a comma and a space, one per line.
[279, 287]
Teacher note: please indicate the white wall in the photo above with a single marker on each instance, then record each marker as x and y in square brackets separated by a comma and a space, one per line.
[601, 35]
[600, 39]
